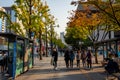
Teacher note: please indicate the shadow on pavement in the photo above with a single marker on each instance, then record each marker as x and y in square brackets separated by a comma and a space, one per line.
[83, 76]
[49, 71]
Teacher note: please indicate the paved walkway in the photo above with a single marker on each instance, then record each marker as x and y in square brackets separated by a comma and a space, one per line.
[44, 71]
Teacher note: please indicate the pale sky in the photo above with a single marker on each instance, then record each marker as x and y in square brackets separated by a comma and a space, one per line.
[59, 8]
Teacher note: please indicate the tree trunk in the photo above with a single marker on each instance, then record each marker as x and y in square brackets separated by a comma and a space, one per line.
[46, 44]
[40, 44]
[96, 55]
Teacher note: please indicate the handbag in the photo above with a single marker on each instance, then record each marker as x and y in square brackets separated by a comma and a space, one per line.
[52, 61]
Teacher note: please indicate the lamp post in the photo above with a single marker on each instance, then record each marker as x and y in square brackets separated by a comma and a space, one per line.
[51, 42]
[51, 36]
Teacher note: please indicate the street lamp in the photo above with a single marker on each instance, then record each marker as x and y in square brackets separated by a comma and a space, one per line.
[51, 41]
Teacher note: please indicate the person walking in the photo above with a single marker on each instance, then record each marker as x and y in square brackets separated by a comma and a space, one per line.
[72, 57]
[83, 58]
[67, 58]
[55, 58]
[78, 59]
[89, 59]
[3, 62]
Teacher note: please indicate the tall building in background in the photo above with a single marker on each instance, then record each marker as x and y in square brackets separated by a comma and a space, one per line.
[62, 38]
[13, 18]
[2, 29]
[2, 21]
[11, 13]
[0, 24]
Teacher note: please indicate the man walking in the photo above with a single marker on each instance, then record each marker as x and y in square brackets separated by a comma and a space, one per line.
[55, 58]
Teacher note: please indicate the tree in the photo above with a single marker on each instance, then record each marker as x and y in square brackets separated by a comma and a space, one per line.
[33, 14]
[30, 13]
[108, 15]
[89, 23]
[109, 9]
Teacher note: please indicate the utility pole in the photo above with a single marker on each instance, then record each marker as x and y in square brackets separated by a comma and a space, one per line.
[51, 27]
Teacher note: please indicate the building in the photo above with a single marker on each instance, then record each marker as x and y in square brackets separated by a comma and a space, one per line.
[11, 13]
[2, 21]
[2, 29]
[63, 39]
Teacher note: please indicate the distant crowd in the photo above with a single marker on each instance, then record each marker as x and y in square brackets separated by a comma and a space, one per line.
[69, 56]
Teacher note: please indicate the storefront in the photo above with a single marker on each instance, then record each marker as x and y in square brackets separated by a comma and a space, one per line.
[109, 46]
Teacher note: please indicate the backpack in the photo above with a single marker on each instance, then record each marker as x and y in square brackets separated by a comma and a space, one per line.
[112, 67]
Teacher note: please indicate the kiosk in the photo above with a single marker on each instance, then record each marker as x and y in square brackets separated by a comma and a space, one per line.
[20, 54]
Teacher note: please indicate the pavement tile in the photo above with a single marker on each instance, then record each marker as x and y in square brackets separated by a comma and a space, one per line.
[44, 71]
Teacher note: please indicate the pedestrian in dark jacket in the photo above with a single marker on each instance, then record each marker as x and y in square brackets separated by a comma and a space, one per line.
[67, 58]
[83, 58]
[89, 59]
[112, 67]
[72, 57]
[3, 61]
[78, 58]
[55, 56]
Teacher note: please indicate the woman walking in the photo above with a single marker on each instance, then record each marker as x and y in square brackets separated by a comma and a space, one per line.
[89, 59]
[78, 59]
[83, 58]
[72, 57]
[67, 58]
[55, 58]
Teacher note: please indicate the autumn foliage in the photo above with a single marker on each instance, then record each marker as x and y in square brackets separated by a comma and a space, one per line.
[86, 20]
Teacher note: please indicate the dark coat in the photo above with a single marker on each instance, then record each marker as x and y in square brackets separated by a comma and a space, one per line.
[55, 55]
[67, 55]
[112, 67]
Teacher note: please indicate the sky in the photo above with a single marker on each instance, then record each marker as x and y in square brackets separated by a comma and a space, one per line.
[58, 8]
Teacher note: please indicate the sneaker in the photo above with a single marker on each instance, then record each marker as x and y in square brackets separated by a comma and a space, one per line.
[56, 68]
[6, 75]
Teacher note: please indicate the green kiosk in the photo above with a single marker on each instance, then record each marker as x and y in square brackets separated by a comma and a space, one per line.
[20, 54]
